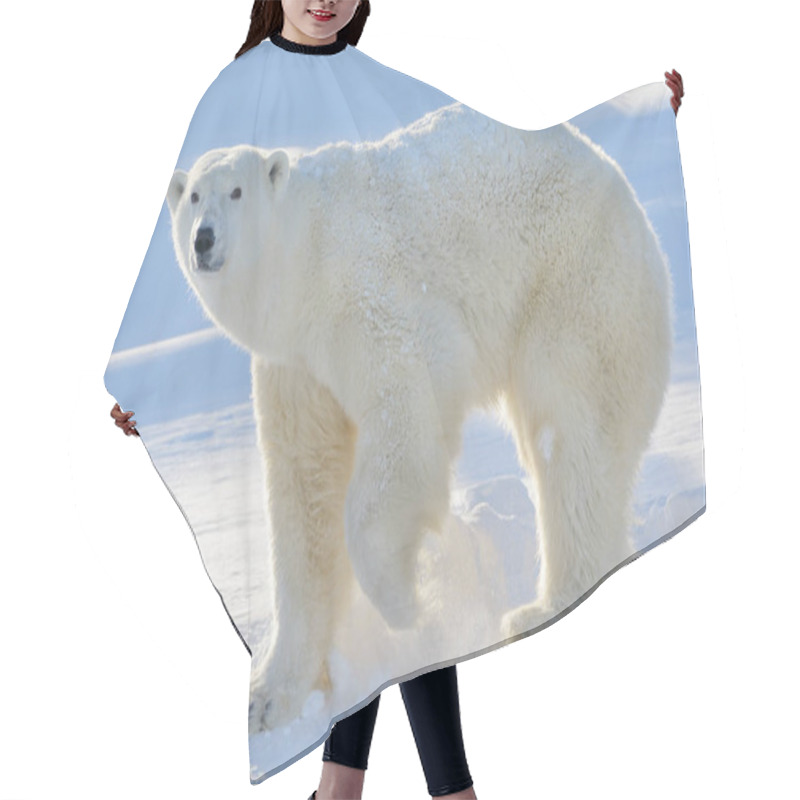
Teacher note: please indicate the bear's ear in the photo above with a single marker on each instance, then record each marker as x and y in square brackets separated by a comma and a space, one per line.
[277, 167]
[176, 188]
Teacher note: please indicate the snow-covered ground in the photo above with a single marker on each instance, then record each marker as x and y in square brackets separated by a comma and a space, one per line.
[483, 565]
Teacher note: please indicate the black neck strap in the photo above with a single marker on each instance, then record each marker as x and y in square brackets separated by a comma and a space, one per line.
[309, 49]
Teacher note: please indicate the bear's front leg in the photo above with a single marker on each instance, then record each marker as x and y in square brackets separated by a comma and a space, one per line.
[307, 445]
[400, 487]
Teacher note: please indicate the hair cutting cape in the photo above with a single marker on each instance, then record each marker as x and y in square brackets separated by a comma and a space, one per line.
[419, 381]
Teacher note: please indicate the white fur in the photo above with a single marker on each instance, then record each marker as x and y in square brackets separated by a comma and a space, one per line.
[384, 290]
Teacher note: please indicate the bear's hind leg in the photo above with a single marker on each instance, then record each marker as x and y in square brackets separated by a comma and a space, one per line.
[583, 485]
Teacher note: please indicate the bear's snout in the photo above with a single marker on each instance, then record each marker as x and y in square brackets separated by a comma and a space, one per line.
[204, 241]
[203, 248]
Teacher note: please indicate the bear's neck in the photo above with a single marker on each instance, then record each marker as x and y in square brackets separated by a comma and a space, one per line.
[315, 210]
[294, 243]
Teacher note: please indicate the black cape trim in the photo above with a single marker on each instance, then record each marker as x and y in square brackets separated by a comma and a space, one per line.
[309, 49]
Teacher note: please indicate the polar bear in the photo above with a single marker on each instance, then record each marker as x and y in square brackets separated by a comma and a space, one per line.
[385, 289]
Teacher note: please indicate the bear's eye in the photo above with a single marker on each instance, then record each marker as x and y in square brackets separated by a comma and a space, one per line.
[236, 193]
[195, 197]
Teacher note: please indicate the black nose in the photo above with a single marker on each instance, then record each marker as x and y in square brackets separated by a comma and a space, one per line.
[204, 240]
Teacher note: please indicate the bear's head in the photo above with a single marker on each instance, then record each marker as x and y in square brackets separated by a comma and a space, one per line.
[223, 211]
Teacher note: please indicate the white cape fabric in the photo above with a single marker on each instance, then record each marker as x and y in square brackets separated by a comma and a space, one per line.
[419, 381]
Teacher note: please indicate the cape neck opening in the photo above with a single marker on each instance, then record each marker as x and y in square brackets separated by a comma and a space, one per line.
[308, 49]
